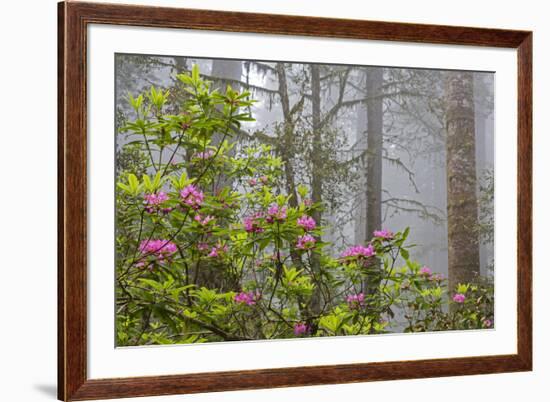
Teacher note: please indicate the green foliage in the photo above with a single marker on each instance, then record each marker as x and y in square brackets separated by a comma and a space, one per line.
[209, 246]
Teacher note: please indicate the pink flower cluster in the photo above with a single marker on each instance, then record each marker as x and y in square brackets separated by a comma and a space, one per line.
[252, 223]
[253, 181]
[305, 242]
[192, 196]
[217, 250]
[307, 223]
[202, 246]
[248, 298]
[459, 298]
[276, 213]
[152, 202]
[301, 329]
[155, 198]
[162, 249]
[355, 301]
[383, 234]
[203, 221]
[204, 155]
[437, 277]
[425, 271]
[359, 252]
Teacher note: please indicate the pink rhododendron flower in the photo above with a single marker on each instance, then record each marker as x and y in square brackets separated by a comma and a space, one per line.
[307, 223]
[202, 246]
[203, 221]
[276, 213]
[264, 179]
[383, 234]
[359, 252]
[192, 196]
[204, 155]
[217, 250]
[459, 298]
[252, 182]
[161, 249]
[487, 323]
[248, 298]
[437, 277]
[300, 329]
[425, 271]
[355, 301]
[153, 200]
[252, 223]
[308, 202]
[305, 242]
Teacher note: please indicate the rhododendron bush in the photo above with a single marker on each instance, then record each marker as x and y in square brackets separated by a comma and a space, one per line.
[210, 245]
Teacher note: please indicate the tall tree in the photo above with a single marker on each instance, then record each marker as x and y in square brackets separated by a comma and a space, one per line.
[462, 214]
[316, 165]
[285, 146]
[375, 139]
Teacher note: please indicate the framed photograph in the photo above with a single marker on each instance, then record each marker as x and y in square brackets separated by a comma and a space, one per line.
[252, 201]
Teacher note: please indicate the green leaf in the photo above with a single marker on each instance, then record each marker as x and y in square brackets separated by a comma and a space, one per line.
[195, 74]
[302, 190]
[147, 183]
[152, 283]
[124, 187]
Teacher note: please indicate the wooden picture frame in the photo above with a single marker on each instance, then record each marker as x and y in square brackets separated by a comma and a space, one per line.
[73, 382]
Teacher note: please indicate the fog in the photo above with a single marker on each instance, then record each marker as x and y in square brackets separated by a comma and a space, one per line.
[413, 155]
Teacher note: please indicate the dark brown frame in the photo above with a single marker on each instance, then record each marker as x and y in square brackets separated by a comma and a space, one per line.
[74, 18]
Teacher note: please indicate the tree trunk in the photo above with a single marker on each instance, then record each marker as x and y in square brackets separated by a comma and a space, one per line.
[316, 172]
[480, 116]
[463, 239]
[285, 147]
[375, 138]
[180, 65]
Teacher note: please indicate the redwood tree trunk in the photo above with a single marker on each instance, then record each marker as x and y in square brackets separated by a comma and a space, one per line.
[285, 146]
[463, 239]
[316, 173]
[375, 127]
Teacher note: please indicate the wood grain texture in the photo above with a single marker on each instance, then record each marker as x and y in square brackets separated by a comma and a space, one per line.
[525, 201]
[60, 202]
[300, 376]
[73, 197]
[74, 18]
[295, 25]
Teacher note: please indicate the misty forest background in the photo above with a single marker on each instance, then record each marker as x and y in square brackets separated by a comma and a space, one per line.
[379, 147]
